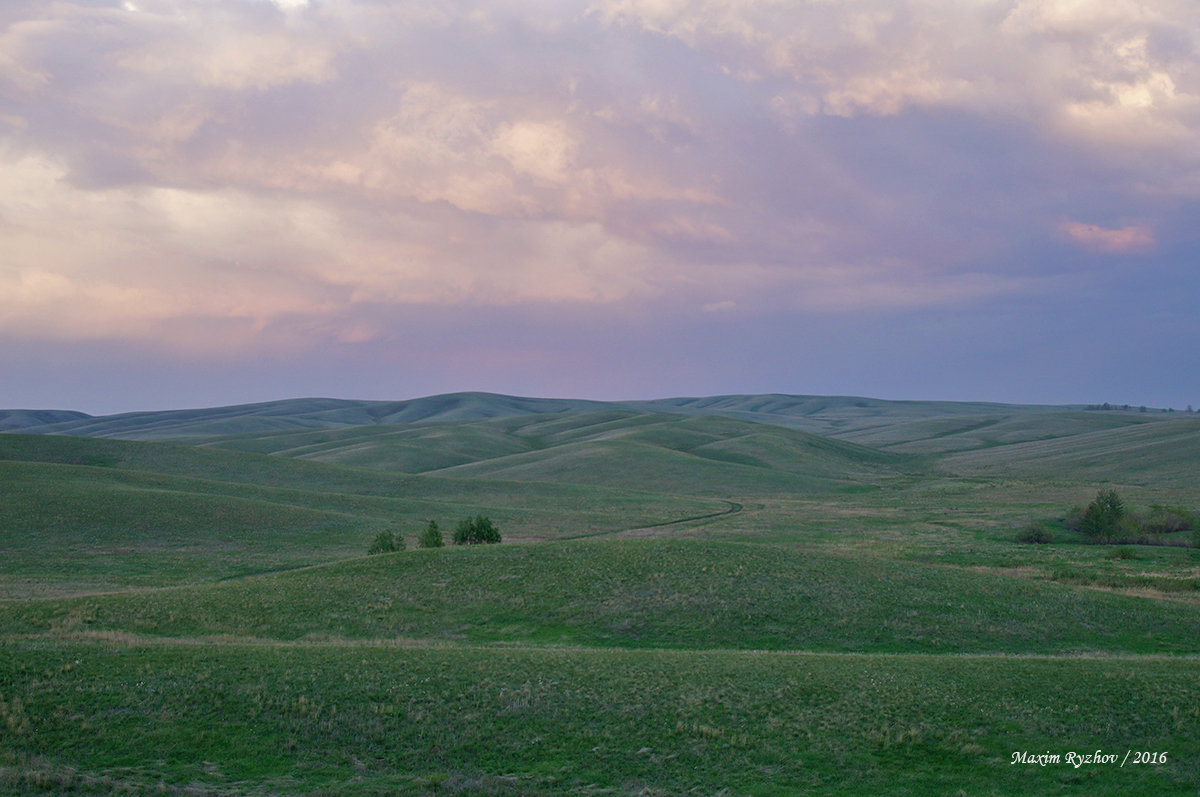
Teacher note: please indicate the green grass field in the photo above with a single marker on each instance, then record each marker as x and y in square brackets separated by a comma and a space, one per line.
[123, 713]
[683, 602]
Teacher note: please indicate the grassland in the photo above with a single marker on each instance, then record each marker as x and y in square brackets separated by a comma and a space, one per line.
[344, 718]
[684, 602]
[657, 593]
[82, 515]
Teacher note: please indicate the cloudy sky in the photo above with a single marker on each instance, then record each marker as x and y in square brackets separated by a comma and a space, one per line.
[217, 201]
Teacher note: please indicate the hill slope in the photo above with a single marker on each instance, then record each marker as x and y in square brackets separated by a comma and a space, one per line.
[688, 455]
[834, 415]
[1164, 453]
[826, 415]
[83, 514]
[29, 419]
[293, 414]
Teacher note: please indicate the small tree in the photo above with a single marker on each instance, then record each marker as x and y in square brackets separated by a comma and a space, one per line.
[431, 537]
[475, 531]
[1102, 517]
[386, 542]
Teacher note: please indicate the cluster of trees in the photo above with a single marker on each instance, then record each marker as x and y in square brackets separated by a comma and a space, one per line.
[1128, 408]
[386, 542]
[478, 530]
[469, 531]
[1108, 520]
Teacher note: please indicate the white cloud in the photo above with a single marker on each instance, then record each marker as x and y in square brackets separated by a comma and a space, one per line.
[139, 258]
[134, 258]
[234, 59]
[1097, 72]
[544, 150]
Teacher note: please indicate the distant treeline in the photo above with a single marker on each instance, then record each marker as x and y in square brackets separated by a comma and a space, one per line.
[1105, 407]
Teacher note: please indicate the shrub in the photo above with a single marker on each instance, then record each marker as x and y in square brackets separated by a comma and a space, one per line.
[475, 531]
[1168, 520]
[1036, 533]
[431, 537]
[386, 542]
[1122, 552]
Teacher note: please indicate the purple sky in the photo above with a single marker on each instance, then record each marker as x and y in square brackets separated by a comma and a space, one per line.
[221, 201]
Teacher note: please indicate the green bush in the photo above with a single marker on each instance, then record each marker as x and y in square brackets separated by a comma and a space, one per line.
[431, 537]
[1106, 519]
[1037, 533]
[1167, 520]
[475, 531]
[386, 542]
[1122, 552]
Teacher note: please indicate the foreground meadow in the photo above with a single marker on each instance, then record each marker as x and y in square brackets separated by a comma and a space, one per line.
[120, 713]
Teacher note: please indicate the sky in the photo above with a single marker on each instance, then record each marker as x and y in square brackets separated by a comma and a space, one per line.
[211, 202]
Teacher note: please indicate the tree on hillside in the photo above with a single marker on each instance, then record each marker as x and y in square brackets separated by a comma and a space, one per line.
[475, 531]
[1103, 516]
[431, 537]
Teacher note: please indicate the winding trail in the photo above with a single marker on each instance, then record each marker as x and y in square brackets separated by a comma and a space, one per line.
[733, 508]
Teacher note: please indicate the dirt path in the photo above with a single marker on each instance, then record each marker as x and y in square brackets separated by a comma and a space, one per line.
[657, 528]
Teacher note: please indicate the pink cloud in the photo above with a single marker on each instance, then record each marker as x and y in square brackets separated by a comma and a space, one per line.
[1133, 238]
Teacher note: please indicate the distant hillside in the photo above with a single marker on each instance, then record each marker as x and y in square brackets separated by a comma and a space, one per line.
[969, 432]
[685, 456]
[826, 415]
[298, 414]
[504, 435]
[1163, 454]
[837, 416]
[26, 419]
[678, 454]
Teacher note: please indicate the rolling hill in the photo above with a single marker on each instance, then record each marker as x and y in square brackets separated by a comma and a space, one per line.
[31, 419]
[677, 454]
[740, 594]
[291, 414]
[826, 415]
[1164, 453]
[119, 513]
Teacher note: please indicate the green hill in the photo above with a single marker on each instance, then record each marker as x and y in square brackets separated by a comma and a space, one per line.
[84, 514]
[405, 449]
[307, 413]
[1162, 453]
[834, 415]
[825, 415]
[691, 456]
[25, 419]
[663, 453]
[969, 432]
